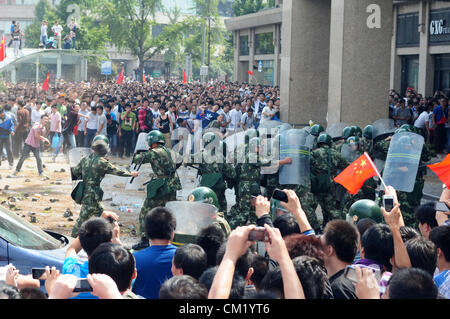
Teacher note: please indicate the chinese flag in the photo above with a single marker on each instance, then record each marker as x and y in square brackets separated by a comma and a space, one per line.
[184, 77]
[121, 76]
[442, 170]
[250, 72]
[354, 176]
[3, 49]
[46, 83]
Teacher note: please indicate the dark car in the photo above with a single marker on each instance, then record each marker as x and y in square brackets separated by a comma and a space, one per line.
[27, 246]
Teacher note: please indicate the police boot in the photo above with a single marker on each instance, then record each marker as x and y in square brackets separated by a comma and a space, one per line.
[142, 244]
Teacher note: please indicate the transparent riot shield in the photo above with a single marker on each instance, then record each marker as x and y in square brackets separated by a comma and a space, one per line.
[270, 151]
[294, 144]
[402, 161]
[335, 130]
[382, 129]
[269, 128]
[350, 152]
[234, 141]
[75, 155]
[191, 218]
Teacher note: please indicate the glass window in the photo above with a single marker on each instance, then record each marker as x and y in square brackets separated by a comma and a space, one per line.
[407, 30]
[264, 43]
[19, 233]
[410, 66]
[243, 45]
[267, 71]
[442, 73]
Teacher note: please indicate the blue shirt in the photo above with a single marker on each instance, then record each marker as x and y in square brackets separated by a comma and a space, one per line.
[72, 266]
[6, 124]
[442, 281]
[439, 112]
[154, 267]
[209, 117]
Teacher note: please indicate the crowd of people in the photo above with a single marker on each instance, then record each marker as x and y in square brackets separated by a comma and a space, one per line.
[373, 255]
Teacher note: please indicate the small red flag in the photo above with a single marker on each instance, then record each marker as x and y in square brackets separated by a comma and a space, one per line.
[46, 84]
[442, 170]
[354, 176]
[184, 77]
[3, 49]
[250, 72]
[121, 76]
[144, 79]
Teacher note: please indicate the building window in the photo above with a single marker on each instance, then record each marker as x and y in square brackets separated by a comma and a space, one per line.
[407, 30]
[243, 45]
[410, 72]
[442, 73]
[264, 43]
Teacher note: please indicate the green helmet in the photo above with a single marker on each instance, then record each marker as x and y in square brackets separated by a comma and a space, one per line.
[357, 130]
[353, 140]
[205, 195]
[100, 138]
[324, 138]
[250, 133]
[364, 208]
[155, 137]
[348, 131]
[316, 129]
[208, 138]
[368, 132]
[400, 130]
[407, 127]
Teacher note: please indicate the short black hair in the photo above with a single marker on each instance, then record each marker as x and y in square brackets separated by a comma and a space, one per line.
[426, 214]
[378, 244]
[312, 275]
[408, 233]
[8, 291]
[287, 224]
[260, 266]
[192, 259]
[160, 223]
[343, 237]
[237, 286]
[412, 283]
[210, 238]
[32, 293]
[364, 224]
[93, 232]
[183, 287]
[440, 236]
[422, 253]
[115, 261]
[304, 245]
[242, 263]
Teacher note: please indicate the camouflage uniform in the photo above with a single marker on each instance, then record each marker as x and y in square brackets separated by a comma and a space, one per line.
[325, 192]
[338, 145]
[228, 175]
[163, 168]
[91, 203]
[249, 173]
[366, 146]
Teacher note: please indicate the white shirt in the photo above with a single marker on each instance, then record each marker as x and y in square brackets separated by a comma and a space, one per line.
[423, 117]
[36, 115]
[235, 118]
[57, 29]
[82, 119]
[267, 110]
[92, 121]
[156, 114]
[102, 120]
[259, 106]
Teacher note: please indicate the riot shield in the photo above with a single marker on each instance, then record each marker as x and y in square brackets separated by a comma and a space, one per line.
[284, 127]
[269, 128]
[402, 161]
[294, 144]
[350, 152]
[191, 218]
[310, 139]
[335, 130]
[270, 151]
[382, 128]
[75, 155]
[235, 140]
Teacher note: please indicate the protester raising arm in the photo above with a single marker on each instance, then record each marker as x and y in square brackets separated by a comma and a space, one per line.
[295, 208]
[276, 248]
[394, 220]
[237, 245]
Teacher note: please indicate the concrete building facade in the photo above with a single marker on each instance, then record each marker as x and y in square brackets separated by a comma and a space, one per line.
[337, 59]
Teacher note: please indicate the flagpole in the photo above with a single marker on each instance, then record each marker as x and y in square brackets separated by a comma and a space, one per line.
[375, 168]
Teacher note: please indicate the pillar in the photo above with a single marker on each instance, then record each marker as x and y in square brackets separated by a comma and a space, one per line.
[360, 61]
[425, 60]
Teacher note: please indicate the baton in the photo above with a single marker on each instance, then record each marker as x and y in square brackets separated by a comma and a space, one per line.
[138, 168]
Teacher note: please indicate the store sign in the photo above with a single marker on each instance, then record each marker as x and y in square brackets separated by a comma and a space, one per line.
[439, 27]
[106, 68]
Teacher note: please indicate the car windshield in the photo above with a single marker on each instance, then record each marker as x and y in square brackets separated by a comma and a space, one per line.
[20, 233]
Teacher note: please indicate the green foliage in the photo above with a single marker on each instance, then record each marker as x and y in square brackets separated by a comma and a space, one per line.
[242, 7]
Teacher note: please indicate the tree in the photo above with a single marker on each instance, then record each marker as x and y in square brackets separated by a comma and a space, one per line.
[130, 24]
[43, 11]
[242, 7]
